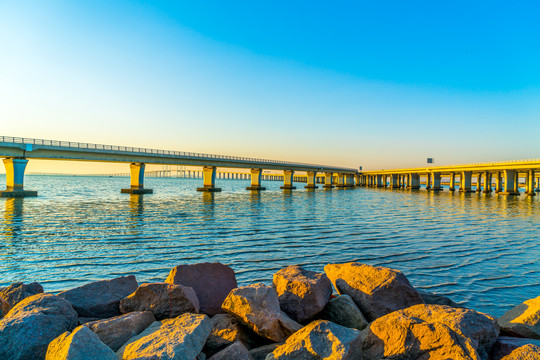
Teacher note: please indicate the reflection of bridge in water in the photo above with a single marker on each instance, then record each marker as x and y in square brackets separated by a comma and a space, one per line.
[17, 151]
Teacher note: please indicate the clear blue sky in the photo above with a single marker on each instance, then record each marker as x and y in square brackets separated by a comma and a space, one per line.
[382, 85]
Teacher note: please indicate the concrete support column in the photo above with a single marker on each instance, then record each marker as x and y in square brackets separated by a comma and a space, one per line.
[137, 180]
[498, 182]
[537, 184]
[311, 175]
[349, 180]
[465, 181]
[452, 181]
[15, 178]
[436, 181]
[288, 176]
[394, 181]
[487, 183]
[340, 180]
[209, 180]
[256, 176]
[530, 183]
[428, 181]
[510, 183]
[414, 181]
[479, 182]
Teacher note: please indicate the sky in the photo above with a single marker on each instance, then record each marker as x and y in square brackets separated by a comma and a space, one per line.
[374, 84]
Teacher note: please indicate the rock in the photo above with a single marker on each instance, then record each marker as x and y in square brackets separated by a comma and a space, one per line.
[100, 299]
[343, 311]
[181, 338]
[257, 306]
[116, 331]
[321, 339]
[437, 299]
[522, 320]
[212, 283]
[81, 344]
[261, 352]
[227, 330]
[505, 345]
[431, 331]
[201, 356]
[302, 293]
[526, 352]
[84, 320]
[4, 307]
[27, 330]
[16, 292]
[236, 351]
[377, 291]
[163, 300]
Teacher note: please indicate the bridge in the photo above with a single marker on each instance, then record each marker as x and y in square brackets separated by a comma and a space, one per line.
[17, 152]
[503, 177]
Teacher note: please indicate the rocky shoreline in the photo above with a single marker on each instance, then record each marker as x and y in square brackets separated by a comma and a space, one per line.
[199, 312]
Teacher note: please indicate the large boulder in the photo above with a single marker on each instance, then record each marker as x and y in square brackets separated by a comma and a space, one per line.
[116, 331]
[343, 311]
[27, 330]
[431, 331]
[525, 352]
[100, 299]
[522, 320]
[81, 344]
[376, 290]
[321, 339]
[16, 292]
[162, 299]
[236, 351]
[436, 299]
[505, 345]
[302, 293]
[212, 283]
[4, 307]
[181, 338]
[257, 306]
[261, 352]
[226, 330]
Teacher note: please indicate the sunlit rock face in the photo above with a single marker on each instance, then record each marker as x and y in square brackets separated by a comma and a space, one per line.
[302, 293]
[506, 344]
[27, 330]
[523, 320]
[431, 331]
[212, 283]
[181, 338]
[81, 344]
[236, 351]
[343, 311]
[226, 330]
[321, 339]
[163, 300]
[257, 306]
[17, 292]
[525, 352]
[376, 290]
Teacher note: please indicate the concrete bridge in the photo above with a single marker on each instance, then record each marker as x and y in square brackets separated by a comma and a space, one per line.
[503, 177]
[17, 152]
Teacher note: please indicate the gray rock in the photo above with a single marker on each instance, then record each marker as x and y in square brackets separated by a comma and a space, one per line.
[302, 294]
[505, 345]
[522, 320]
[257, 306]
[437, 299]
[261, 352]
[343, 311]
[100, 299]
[376, 290]
[162, 299]
[227, 330]
[32, 324]
[236, 351]
[201, 356]
[16, 292]
[181, 338]
[212, 283]
[525, 352]
[321, 339]
[4, 307]
[81, 344]
[116, 331]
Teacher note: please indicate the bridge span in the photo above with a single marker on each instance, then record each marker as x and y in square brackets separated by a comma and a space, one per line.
[17, 152]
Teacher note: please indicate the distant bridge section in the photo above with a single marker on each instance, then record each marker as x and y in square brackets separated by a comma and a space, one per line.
[17, 151]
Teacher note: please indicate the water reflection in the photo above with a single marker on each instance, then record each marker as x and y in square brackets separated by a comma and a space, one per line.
[13, 217]
[209, 204]
[136, 212]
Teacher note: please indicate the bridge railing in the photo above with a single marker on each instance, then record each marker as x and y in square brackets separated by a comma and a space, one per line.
[78, 145]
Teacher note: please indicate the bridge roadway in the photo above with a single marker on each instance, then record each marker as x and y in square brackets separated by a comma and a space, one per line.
[16, 152]
[502, 176]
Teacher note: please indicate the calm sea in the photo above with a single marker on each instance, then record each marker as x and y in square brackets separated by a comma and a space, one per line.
[482, 251]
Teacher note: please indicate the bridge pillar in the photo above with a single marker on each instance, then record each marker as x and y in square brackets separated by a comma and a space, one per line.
[256, 176]
[465, 182]
[537, 184]
[340, 181]
[288, 176]
[137, 180]
[311, 180]
[414, 181]
[428, 181]
[394, 181]
[498, 182]
[436, 181]
[479, 182]
[15, 179]
[510, 183]
[530, 183]
[487, 182]
[452, 181]
[209, 180]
